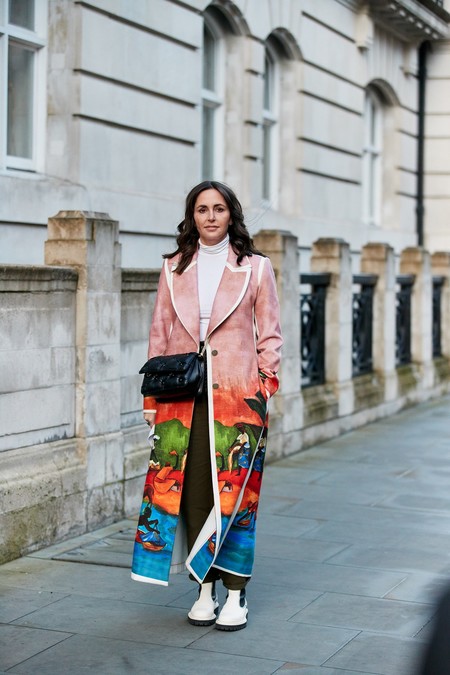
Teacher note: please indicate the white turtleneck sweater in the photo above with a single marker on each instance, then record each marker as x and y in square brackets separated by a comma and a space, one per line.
[210, 265]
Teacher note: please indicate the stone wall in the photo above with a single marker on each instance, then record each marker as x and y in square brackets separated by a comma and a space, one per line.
[37, 357]
[42, 497]
[74, 333]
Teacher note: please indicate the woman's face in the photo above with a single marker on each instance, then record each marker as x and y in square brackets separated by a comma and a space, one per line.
[211, 216]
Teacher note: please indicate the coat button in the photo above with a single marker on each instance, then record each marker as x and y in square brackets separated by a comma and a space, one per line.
[215, 385]
[214, 352]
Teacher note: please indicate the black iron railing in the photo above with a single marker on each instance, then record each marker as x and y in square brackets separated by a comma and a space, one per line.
[438, 283]
[312, 317]
[362, 361]
[405, 283]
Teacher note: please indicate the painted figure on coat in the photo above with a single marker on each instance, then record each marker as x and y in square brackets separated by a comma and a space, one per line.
[217, 290]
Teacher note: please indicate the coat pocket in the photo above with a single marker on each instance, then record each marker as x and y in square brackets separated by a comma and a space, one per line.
[262, 387]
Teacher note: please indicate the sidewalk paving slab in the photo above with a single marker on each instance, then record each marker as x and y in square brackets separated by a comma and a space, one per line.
[93, 654]
[353, 549]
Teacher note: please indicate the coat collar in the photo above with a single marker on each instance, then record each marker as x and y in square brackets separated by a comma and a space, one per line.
[232, 288]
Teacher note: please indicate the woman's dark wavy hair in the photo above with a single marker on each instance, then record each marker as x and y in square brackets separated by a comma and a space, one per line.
[187, 239]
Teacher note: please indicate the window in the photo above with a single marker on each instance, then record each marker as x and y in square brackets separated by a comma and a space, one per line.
[372, 158]
[212, 101]
[270, 130]
[23, 25]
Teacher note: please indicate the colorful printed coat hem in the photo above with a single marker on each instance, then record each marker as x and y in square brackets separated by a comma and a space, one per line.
[148, 580]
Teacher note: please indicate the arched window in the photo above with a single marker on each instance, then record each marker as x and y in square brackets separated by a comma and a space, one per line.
[280, 114]
[270, 128]
[373, 157]
[212, 100]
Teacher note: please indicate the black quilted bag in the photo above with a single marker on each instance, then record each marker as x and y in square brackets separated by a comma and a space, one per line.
[176, 376]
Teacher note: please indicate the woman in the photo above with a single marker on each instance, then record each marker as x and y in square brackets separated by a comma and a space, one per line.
[217, 293]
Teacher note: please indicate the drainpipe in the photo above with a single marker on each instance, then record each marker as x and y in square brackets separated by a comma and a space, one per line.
[422, 78]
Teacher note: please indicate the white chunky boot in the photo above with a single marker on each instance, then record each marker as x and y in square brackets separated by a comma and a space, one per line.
[233, 615]
[204, 610]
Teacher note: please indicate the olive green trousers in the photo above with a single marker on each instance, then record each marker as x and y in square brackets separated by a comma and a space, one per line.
[197, 497]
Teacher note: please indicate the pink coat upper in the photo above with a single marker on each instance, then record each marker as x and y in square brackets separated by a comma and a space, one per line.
[244, 332]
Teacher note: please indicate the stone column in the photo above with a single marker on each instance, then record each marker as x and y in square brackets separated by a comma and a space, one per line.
[89, 242]
[415, 260]
[333, 256]
[282, 248]
[440, 266]
[379, 259]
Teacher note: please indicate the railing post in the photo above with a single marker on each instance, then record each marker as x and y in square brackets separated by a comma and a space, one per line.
[379, 259]
[440, 265]
[416, 261]
[282, 248]
[89, 242]
[333, 256]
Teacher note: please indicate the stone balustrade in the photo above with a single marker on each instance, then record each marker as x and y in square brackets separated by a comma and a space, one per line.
[74, 334]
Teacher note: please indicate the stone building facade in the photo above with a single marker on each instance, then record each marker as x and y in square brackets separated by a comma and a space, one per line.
[311, 110]
[308, 108]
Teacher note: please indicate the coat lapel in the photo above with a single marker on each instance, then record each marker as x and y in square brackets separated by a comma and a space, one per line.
[184, 295]
[232, 287]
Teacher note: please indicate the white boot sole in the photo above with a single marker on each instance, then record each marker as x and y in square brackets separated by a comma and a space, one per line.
[207, 621]
[232, 627]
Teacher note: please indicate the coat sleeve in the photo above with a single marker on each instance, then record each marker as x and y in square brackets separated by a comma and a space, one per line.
[267, 326]
[161, 325]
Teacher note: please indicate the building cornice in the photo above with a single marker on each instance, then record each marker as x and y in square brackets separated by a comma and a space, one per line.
[411, 20]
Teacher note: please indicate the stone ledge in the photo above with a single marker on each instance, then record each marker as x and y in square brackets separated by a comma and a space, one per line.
[441, 369]
[408, 379]
[320, 433]
[140, 280]
[368, 391]
[42, 496]
[320, 405]
[36, 278]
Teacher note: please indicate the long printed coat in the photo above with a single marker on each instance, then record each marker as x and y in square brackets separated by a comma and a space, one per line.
[243, 343]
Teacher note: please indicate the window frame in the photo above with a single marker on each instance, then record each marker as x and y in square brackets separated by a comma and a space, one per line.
[35, 41]
[270, 170]
[372, 157]
[214, 100]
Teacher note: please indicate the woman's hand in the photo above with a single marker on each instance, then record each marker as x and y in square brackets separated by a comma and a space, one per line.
[149, 417]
